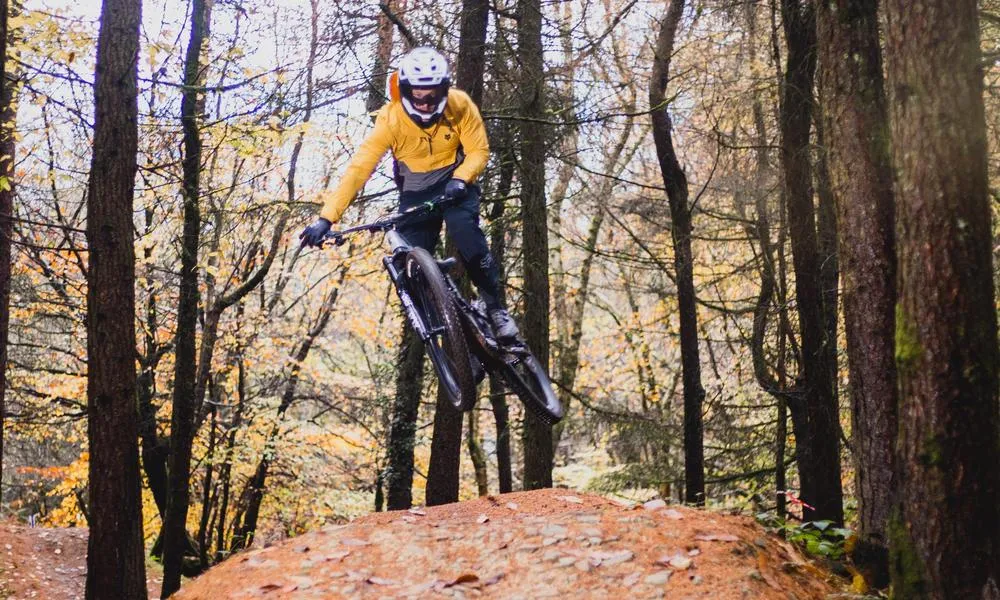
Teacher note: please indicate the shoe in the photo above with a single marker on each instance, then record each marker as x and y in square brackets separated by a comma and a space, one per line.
[503, 324]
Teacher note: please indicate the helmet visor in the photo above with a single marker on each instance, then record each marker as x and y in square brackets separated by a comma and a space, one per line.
[425, 99]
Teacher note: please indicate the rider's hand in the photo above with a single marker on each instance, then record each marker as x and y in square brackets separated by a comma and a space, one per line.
[315, 233]
[455, 189]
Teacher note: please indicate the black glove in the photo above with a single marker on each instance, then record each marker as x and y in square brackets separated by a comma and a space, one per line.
[455, 189]
[315, 233]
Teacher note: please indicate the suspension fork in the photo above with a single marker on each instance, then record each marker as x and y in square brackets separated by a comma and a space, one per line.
[401, 283]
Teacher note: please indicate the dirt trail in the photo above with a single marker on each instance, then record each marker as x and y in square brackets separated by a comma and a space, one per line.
[542, 544]
[48, 563]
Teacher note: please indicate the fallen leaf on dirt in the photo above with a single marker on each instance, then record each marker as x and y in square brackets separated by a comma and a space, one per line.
[269, 587]
[566, 561]
[260, 561]
[482, 519]
[655, 504]
[676, 560]
[764, 571]
[464, 578]
[572, 499]
[420, 588]
[493, 580]
[716, 537]
[611, 557]
[380, 581]
[792, 552]
[355, 542]
[658, 578]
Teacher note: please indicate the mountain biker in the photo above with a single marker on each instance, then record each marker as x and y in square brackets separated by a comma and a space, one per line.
[439, 147]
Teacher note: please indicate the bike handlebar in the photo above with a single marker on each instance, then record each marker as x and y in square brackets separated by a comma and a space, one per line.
[387, 222]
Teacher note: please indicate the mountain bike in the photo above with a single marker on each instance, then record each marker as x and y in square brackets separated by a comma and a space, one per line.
[455, 331]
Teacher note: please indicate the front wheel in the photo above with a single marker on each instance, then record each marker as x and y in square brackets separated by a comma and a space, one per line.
[446, 342]
[529, 381]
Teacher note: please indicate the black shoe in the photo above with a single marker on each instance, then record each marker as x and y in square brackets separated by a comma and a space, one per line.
[503, 325]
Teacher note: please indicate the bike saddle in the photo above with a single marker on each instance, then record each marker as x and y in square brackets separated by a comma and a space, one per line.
[447, 264]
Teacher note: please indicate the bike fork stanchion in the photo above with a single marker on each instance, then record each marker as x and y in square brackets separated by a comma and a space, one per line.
[404, 297]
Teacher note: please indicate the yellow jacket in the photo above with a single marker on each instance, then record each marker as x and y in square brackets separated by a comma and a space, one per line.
[454, 147]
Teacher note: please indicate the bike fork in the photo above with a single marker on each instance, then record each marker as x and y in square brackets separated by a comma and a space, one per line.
[404, 296]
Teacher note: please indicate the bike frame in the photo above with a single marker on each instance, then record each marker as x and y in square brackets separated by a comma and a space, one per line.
[502, 358]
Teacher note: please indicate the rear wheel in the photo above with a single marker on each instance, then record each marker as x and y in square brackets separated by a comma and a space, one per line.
[530, 382]
[446, 345]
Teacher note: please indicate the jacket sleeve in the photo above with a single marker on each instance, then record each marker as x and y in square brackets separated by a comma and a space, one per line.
[360, 168]
[472, 134]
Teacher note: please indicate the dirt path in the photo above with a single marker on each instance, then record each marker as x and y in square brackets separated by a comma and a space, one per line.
[48, 563]
[42, 563]
[543, 544]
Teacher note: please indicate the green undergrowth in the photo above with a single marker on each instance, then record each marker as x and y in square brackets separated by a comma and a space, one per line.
[818, 538]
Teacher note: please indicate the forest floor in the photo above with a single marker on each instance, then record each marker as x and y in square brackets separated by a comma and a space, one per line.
[41, 562]
[542, 544]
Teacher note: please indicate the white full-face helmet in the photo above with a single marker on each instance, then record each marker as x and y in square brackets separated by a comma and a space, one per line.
[424, 69]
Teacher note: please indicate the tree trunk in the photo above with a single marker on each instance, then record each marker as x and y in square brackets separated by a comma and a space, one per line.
[815, 417]
[472, 44]
[154, 449]
[856, 123]
[477, 454]
[680, 214]
[446, 441]
[225, 472]
[826, 245]
[185, 367]
[115, 561]
[945, 540]
[6, 218]
[207, 485]
[446, 454]
[537, 437]
[380, 65]
[498, 398]
[402, 432]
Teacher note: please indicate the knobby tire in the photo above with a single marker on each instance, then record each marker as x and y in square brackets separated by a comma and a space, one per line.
[447, 349]
[528, 380]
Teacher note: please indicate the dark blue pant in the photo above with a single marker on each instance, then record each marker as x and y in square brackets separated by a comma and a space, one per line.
[463, 228]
